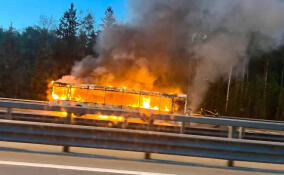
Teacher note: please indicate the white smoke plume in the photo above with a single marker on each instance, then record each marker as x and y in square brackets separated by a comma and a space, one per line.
[176, 44]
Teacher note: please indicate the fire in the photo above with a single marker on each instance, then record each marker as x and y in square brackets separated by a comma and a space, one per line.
[112, 96]
[87, 95]
[99, 116]
[109, 117]
[166, 108]
[56, 97]
[146, 104]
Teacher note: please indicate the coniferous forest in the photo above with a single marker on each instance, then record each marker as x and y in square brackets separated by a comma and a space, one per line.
[32, 57]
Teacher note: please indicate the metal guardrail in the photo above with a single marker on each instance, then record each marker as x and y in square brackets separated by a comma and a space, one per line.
[181, 118]
[22, 100]
[191, 129]
[156, 142]
[144, 141]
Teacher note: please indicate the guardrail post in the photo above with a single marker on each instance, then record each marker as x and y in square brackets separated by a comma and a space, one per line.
[66, 149]
[232, 133]
[69, 121]
[147, 155]
[182, 127]
[241, 132]
[9, 114]
[150, 124]
[69, 118]
[125, 123]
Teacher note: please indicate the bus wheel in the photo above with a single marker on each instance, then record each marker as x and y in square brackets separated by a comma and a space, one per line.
[110, 124]
[78, 114]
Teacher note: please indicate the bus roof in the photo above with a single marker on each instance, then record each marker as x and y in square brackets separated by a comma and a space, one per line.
[118, 89]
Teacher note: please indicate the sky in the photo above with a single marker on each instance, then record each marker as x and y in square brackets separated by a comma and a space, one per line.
[23, 13]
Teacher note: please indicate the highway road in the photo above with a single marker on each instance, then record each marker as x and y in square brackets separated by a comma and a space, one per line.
[33, 159]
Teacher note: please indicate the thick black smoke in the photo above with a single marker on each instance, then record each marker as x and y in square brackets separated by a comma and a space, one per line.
[177, 44]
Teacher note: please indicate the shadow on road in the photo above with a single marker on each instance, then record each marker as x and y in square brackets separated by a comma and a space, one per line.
[73, 154]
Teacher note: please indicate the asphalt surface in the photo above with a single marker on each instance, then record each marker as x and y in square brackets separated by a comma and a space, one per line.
[33, 159]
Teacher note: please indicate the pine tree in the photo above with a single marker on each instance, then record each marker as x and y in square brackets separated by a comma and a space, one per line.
[10, 65]
[87, 34]
[68, 26]
[109, 19]
[67, 50]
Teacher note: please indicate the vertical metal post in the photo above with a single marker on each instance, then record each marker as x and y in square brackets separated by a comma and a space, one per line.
[69, 118]
[172, 105]
[232, 133]
[105, 96]
[9, 114]
[68, 96]
[186, 106]
[147, 155]
[241, 132]
[122, 100]
[66, 149]
[182, 127]
[125, 123]
[139, 99]
[160, 103]
[69, 121]
[87, 94]
[150, 124]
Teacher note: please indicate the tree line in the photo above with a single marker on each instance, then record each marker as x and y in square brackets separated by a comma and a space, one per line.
[257, 91]
[30, 59]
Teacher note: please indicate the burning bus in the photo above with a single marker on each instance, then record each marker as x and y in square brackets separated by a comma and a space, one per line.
[108, 97]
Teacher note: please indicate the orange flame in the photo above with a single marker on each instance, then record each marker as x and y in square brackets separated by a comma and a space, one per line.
[111, 97]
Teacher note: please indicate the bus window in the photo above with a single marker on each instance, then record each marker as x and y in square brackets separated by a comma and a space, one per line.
[60, 93]
[114, 98]
[78, 94]
[130, 99]
[179, 105]
[166, 105]
[96, 96]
